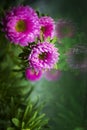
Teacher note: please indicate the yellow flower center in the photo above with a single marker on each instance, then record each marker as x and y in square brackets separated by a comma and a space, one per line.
[42, 56]
[43, 29]
[20, 26]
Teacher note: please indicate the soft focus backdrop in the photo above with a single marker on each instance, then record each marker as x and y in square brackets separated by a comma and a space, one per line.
[65, 98]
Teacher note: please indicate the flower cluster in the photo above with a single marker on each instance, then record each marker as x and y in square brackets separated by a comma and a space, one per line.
[24, 27]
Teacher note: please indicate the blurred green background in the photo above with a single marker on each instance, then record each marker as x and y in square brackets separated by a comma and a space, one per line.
[65, 99]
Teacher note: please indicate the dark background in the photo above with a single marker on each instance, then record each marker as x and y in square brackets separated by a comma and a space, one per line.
[65, 98]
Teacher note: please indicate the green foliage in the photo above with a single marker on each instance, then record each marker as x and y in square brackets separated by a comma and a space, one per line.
[71, 114]
[28, 118]
[15, 92]
[17, 112]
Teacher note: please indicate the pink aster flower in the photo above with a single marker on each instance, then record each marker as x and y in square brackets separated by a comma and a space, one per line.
[21, 25]
[64, 28]
[52, 75]
[47, 26]
[33, 75]
[43, 56]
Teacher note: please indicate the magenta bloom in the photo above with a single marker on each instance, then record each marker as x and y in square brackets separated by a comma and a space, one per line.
[64, 28]
[43, 56]
[52, 75]
[21, 25]
[47, 26]
[32, 74]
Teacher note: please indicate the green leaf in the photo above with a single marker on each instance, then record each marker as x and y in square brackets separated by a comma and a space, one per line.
[56, 66]
[48, 39]
[23, 124]
[16, 122]
[26, 112]
[26, 129]
[33, 117]
[41, 116]
[54, 40]
[38, 12]
[10, 128]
